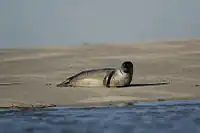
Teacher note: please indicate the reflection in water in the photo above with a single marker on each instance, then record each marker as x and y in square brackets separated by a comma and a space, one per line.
[152, 117]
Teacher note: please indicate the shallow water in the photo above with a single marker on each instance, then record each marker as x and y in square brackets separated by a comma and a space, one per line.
[151, 117]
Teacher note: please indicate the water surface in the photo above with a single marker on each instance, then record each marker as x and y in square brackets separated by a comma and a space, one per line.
[151, 117]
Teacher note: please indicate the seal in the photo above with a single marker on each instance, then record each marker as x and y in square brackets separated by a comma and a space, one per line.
[105, 77]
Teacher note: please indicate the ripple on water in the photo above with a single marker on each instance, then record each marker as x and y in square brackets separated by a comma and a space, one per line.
[152, 117]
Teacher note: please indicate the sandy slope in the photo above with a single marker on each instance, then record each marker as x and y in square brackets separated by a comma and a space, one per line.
[165, 70]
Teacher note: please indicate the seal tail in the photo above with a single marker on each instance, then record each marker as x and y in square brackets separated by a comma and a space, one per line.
[65, 83]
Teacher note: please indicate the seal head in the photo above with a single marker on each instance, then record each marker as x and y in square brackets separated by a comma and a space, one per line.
[127, 67]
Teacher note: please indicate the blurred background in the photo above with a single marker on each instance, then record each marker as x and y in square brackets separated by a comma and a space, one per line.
[33, 23]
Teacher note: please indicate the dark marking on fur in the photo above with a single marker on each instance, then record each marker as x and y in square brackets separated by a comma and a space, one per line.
[109, 79]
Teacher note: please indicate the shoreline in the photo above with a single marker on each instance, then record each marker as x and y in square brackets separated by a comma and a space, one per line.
[101, 104]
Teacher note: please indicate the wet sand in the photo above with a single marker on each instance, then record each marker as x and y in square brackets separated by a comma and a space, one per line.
[163, 71]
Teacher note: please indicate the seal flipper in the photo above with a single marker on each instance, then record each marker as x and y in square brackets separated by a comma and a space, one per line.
[107, 78]
[65, 83]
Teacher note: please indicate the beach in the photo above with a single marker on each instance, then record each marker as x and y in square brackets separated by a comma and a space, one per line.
[162, 71]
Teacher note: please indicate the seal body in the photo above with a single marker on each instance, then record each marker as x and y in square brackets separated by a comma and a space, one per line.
[107, 77]
[120, 79]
